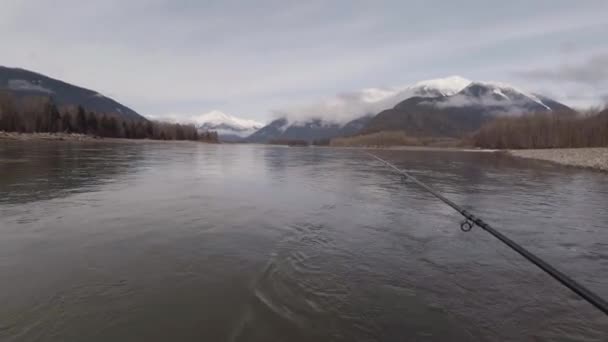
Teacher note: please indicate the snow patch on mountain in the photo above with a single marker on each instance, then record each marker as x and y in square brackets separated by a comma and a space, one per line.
[494, 94]
[25, 85]
[507, 88]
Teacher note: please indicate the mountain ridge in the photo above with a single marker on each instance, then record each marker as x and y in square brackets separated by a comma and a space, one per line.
[23, 82]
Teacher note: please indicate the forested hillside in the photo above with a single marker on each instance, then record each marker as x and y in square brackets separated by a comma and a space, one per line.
[21, 82]
[31, 114]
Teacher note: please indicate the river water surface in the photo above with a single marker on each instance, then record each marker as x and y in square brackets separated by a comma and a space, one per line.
[194, 242]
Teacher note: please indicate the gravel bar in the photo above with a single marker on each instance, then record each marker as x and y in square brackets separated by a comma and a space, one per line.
[594, 158]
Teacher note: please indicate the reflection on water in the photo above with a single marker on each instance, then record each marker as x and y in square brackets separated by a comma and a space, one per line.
[33, 171]
[185, 241]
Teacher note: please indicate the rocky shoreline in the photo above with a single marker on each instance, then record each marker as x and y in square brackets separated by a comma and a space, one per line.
[595, 158]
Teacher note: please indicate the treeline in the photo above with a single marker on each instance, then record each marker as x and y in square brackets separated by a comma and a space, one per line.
[393, 138]
[33, 114]
[544, 130]
[384, 138]
[288, 142]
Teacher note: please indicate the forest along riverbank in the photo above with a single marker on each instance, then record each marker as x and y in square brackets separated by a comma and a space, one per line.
[78, 137]
[45, 136]
[593, 157]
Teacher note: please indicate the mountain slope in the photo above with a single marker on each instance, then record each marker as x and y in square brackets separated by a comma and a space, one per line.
[23, 82]
[269, 132]
[418, 118]
[309, 131]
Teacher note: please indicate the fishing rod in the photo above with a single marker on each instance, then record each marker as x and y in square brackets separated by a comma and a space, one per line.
[472, 220]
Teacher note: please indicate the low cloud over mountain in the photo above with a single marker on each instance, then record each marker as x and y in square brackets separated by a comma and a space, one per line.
[345, 107]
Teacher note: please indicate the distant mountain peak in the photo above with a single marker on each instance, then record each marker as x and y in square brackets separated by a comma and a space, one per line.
[501, 92]
[437, 87]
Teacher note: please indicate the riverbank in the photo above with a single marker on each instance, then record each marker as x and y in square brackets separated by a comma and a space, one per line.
[46, 136]
[76, 137]
[595, 158]
[592, 157]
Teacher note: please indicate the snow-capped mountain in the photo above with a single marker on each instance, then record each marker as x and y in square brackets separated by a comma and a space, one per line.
[227, 126]
[459, 91]
[458, 105]
[461, 112]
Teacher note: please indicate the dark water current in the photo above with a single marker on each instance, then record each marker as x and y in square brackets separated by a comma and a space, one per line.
[194, 242]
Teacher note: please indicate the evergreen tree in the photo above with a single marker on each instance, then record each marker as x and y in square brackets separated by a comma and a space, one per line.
[81, 121]
[104, 124]
[66, 122]
[92, 124]
[8, 113]
[126, 130]
[113, 127]
[135, 134]
[54, 119]
[149, 130]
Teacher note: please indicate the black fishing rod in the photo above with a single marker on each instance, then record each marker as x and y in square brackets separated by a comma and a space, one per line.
[471, 220]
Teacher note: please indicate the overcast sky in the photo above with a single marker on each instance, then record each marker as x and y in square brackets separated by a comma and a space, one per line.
[252, 58]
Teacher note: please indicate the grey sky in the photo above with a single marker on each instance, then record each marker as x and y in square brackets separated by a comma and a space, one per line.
[593, 71]
[250, 58]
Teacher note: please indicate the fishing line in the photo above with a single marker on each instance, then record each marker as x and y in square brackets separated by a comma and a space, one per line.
[471, 221]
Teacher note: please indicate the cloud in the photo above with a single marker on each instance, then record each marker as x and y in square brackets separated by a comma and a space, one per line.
[344, 107]
[348, 106]
[593, 72]
[162, 56]
[511, 105]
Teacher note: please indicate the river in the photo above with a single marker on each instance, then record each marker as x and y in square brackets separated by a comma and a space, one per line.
[183, 241]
